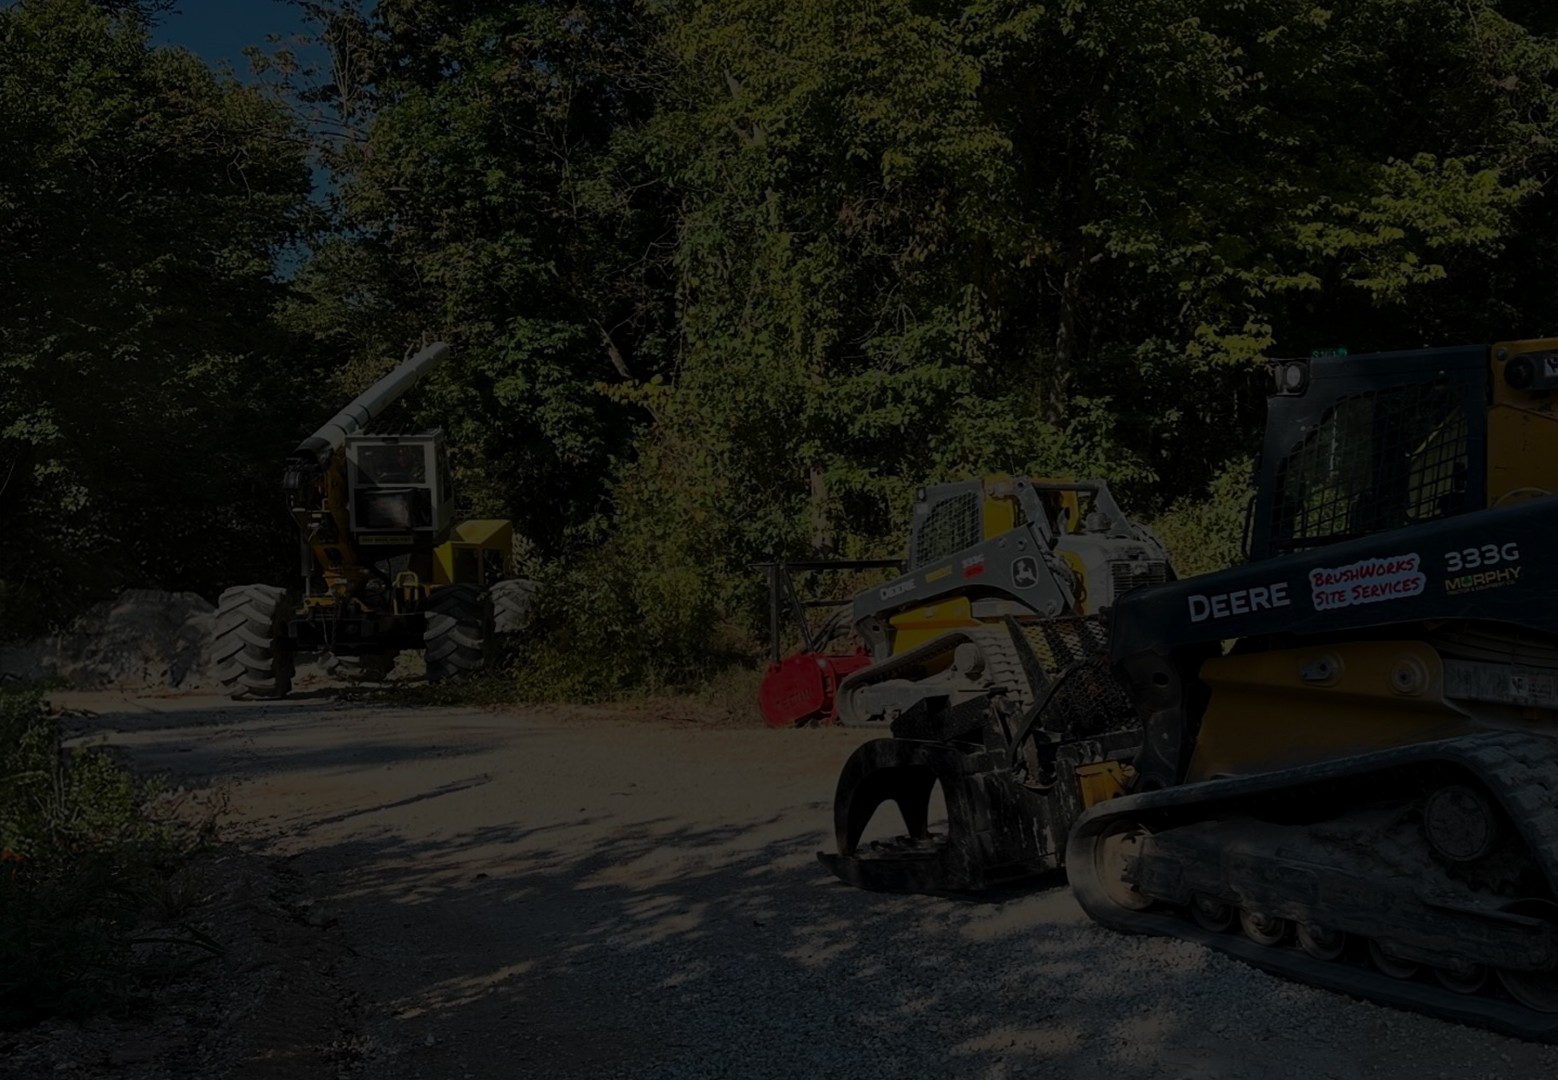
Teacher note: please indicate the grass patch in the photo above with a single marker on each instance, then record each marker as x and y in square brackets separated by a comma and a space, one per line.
[93, 895]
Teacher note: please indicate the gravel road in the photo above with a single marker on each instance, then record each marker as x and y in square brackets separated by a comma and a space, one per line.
[599, 893]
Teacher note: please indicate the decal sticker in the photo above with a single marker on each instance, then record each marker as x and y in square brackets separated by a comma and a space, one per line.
[1531, 687]
[1473, 558]
[1368, 581]
[1025, 572]
[897, 588]
[1487, 579]
[937, 574]
[973, 566]
[1239, 602]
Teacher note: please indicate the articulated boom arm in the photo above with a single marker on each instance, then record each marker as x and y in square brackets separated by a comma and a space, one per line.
[315, 479]
[315, 452]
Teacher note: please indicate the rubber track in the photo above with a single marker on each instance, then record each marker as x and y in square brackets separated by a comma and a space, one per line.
[1520, 770]
[1003, 667]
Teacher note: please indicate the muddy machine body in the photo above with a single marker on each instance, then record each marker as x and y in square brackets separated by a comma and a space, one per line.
[385, 566]
[1338, 761]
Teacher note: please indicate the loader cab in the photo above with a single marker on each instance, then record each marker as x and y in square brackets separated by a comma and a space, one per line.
[951, 517]
[399, 488]
[1357, 445]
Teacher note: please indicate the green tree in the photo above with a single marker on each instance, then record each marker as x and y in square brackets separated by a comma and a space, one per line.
[492, 192]
[146, 397]
[931, 212]
[918, 240]
[148, 11]
[817, 254]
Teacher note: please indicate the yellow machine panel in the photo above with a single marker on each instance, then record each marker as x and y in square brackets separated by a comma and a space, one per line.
[917, 626]
[1103, 780]
[1291, 707]
[460, 557]
[1522, 431]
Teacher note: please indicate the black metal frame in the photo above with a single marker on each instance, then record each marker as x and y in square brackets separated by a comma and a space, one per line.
[347, 632]
[1333, 378]
[1202, 610]
[782, 593]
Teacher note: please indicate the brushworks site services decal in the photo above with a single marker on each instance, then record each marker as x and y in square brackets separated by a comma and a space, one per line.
[1370, 581]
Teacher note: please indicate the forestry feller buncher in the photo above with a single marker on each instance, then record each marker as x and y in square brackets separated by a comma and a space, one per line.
[1338, 762]
[386, 568]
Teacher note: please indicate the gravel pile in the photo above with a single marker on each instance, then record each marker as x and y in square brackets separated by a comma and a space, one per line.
[144, 639]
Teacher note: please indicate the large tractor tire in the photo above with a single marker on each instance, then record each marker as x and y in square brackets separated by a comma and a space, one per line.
[513, 605]
[368, 667]
[458, 631]
[248, 647]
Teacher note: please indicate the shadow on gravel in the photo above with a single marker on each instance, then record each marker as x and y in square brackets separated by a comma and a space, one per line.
[295, 740]
[637, 934]
[686, 952]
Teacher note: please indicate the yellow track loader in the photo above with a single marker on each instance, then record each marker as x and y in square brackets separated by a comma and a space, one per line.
[1338, 761]
[385, 566]
[980, 551]
[1045, 553]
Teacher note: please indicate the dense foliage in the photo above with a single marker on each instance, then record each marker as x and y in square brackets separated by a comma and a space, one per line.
[145, 389]
[86, 854]
[730, 279]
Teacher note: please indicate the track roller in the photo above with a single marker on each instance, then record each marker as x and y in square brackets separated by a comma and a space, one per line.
[1264, 929]
[1212, 915]
[1536, 990]
[1390, 965]
[1469, 981]
[1320, 942]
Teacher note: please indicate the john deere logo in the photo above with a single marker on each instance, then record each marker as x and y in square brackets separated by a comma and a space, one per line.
[1025, 572]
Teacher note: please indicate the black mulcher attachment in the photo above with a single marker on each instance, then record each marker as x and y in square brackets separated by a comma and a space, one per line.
[1006, 819]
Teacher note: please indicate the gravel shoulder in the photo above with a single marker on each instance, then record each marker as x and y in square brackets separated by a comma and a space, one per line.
[573, 892]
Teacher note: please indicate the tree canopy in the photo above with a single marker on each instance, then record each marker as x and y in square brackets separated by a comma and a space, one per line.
[143, 203]
[729, 281]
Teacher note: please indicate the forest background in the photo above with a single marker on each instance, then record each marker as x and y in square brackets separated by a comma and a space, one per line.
[727, 280]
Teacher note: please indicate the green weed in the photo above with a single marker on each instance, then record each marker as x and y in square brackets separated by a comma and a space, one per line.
[91, 869]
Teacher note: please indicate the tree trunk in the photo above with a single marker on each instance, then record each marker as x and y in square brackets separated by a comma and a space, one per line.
[1058, 393]
[821, 526]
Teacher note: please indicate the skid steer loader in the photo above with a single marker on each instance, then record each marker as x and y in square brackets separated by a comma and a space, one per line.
[385, 567]
[982, 554]
[1339, 761]
[980, 551]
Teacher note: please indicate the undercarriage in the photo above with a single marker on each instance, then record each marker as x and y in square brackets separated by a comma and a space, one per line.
[1420, 877]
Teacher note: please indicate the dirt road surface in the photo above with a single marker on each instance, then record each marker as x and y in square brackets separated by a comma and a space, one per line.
[459, 893]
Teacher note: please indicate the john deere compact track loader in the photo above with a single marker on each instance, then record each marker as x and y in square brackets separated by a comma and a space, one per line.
[386, 568]
[980, 552]
[1339, 761]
